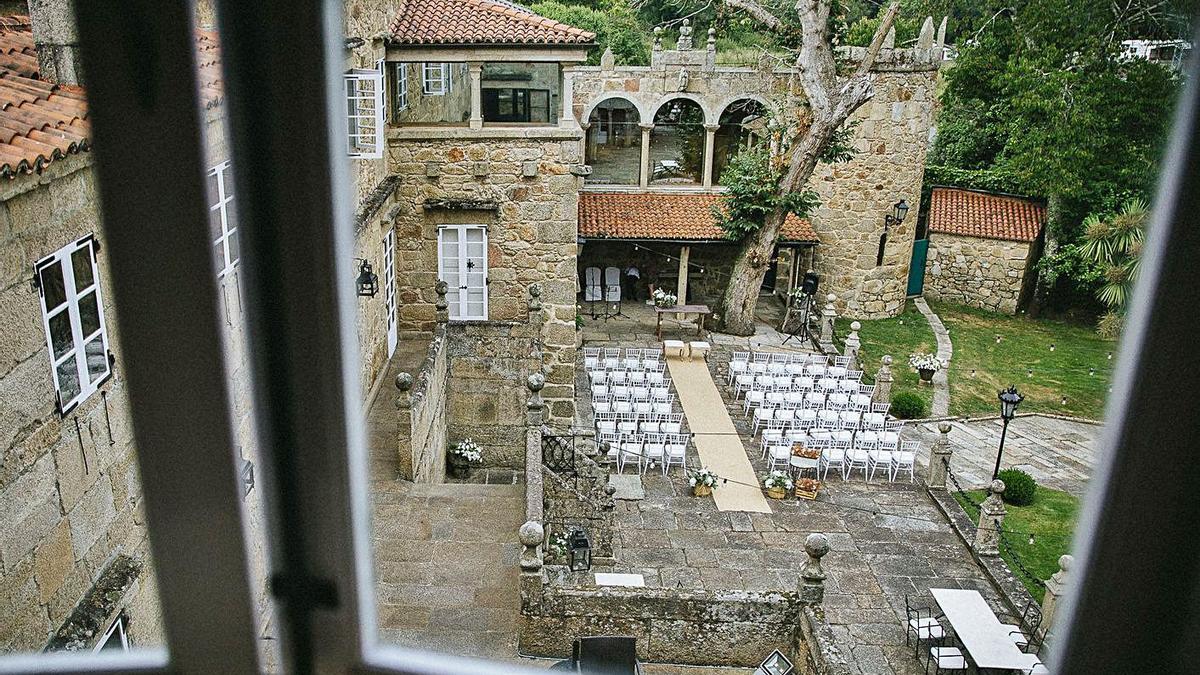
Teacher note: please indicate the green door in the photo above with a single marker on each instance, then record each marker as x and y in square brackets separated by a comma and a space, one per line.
[916, 269]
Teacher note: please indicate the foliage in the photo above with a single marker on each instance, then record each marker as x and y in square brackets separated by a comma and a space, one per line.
[616, 25]
[752, 178]
[578, 317]
[904, 333]
[1019, 487]
[778, 479]
[468, 450]
[704, 477]
[907, 406]
[923, 361]
[990, 180]
[1115, 244]
[841, 145]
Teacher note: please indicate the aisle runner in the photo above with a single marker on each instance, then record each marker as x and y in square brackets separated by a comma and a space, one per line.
[716, 439]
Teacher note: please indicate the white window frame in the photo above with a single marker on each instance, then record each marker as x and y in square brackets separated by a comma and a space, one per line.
[436, 79]
[364, 112]
[222, 210]
[389, 290]
[65, 260]
[400, 95]
[458, 310]
[118, 628]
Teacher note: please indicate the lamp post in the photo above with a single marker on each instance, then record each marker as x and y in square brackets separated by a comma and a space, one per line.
[1009, 400]
[899, 211]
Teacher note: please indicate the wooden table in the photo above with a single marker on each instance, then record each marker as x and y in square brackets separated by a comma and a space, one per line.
[985, 638]
[700, 310]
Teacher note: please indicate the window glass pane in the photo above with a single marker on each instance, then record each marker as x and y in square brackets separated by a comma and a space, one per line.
[234, 248]
[219, 255]
[81, 262]
[231, 219]
[211, 186]
[68, 380]
[53, 287]
[60, 333]
[97, 359]
[89, 315]
[214, 223]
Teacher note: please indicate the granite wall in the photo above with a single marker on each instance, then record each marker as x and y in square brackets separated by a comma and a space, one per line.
[986, 273]
[422, 417]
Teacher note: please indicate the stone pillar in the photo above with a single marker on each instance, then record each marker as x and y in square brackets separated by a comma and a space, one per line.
[710, 133]
[812, 577]
[441, 305]
[710, 55]
[56, 40]
[939, 457]
[404, 401]
[531, 535]
[853, 344]
[681, 290]
[589, 141]
[828, 315]
[1056, 588]
[475, 70]
[883, 381]
[644, 178]
[535, 304]
[566, 115]
[991, 519]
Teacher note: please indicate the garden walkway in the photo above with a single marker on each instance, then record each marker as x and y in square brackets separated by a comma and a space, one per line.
[945, 351]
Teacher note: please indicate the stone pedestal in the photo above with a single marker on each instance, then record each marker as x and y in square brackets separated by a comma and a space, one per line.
[939, 457]
[828, 316]
[991, 519]
[853, 344]
[883, 381]
[1056, 588]
[812, 576]
[531, 536]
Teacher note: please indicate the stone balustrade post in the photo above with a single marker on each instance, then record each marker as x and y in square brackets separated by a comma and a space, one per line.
[1056, 588]
[812, 576]
[531, 535]
[535, 304]
[939, 457]
[474, 74]
[536, 406]
[441, 306]
[883, 381]
[828, 316]
[853, 344]
[404, 382]
[991, 520]
[710, 135]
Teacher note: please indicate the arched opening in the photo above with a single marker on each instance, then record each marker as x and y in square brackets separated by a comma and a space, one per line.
[742, 123]
[614, 143]
[677, 144]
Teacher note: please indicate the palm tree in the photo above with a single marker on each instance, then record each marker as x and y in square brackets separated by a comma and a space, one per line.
[1115, 243]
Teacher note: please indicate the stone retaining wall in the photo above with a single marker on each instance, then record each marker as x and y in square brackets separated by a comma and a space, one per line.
[422, 428]
[985, 273]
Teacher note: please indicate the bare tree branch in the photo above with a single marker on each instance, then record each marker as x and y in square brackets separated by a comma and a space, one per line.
[885, 25]
[757, 11]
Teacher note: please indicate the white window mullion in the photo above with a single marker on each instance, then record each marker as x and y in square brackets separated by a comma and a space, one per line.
[364, 113]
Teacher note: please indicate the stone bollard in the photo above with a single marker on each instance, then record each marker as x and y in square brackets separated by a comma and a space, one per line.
[812, 577]
[404, 382]
[828, 316]
[853, 344]
[1056, 588]
[883, 381]
[991, 519]
[535, 382]
[939, 457]
[531, 535]
[441, 306]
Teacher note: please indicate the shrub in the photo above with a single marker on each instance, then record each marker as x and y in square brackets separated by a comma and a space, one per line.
[1019, 487]
[907, 406]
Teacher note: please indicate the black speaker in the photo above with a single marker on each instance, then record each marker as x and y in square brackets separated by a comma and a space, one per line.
[809, 285]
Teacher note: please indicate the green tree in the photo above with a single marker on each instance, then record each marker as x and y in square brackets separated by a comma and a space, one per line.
[615, 24]
[1115, 244]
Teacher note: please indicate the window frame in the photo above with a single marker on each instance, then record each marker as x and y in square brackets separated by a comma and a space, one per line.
[64, 258]
[399, 95]
[443, 78]
[224, 207]
[364, 130]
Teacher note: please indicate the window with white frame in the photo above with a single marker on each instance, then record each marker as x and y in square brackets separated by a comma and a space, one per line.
[436, 79]
[364, 113]
[399, 77]
[73, 317]
[222, 219]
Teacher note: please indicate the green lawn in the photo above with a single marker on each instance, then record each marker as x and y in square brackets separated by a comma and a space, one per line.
[898, 336]
[1051, 518]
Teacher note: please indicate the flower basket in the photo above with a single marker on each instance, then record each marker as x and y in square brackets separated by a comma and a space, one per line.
[462, 456]
[807, 488]
[702, 482]
[664, 299]
[925, 365]
[807, 453]
[777, 484]
[458, 466]
[926, 374]
[702, 491]
[776, 493]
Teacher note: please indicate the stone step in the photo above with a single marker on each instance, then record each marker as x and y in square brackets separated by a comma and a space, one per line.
[465, 489]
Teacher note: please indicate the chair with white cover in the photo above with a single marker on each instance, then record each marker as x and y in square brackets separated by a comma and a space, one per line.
[834, 455]
[672, 423]
[591, 357]
[738, 363]
[877, 457]
[612, 284]
[762, 415]
[591, 285]
[778, 454]
[630, 450]
[676, 451]
[905, 459]
[654, 451]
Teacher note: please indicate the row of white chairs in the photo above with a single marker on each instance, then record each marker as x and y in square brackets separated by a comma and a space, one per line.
[612, 358]
[873, 417]
[655, 375]
[663, 403]
[851, 383]
[791, 433]
[841, 400]
[634, 422]
[846, 455]
[646, 449]
[780, 363]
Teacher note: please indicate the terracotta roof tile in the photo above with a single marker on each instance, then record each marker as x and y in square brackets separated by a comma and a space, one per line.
[985, 215]
[478, 22]
[677, 217]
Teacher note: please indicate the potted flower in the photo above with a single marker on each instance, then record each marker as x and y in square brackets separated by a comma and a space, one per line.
[702, 481]
[462, 456]
[778, 483]
[807, 488]
[558, 547]
[664, 299]
[926, 365]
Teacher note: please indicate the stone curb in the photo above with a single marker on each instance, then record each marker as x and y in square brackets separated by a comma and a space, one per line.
[967, 418]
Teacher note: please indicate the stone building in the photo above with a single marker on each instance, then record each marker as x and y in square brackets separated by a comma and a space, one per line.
[983, 248]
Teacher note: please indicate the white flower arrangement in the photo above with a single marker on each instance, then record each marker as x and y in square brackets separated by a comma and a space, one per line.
[778, 479]
[665, 299]
[704, 477]
[558, 545]
[925, 362]
[468, 450]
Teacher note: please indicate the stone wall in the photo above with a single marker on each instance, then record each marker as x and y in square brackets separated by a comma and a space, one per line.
[985, 273]
[580, 498]
[422, 423]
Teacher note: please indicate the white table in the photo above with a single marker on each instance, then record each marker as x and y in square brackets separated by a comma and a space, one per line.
[985, 638]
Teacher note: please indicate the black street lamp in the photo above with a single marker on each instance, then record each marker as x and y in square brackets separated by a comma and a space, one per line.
[1009, 400]
[899, 211]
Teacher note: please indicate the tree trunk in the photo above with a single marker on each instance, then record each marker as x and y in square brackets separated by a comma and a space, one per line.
[1054, 207]
[749, 269]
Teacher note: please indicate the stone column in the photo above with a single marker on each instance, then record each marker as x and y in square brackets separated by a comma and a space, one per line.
[475, 69]
[991, 519]
[853, 344]
[883, 381]
[710, 134]
[644, 178]
[812, 577]
[441, 305]
[531, 535]
[939, 457]
[1056, 588]
[828, 315]
[589, 141]
[566, 114]
[681, 290]
[535, 409]
[404, 402]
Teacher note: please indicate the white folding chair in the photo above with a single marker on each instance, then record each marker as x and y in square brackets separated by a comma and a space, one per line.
[651, 357]
[591, 356]
[599, 390]
[642, 406]
[631, 449]
[627, 423]
[649, 424]
[602, 404]
[777, 364]
[775, 395]
[877, 457]
[786, 413]
[738, 364]
[755, 396]
[636, 376]
[663, 405]
[598, 376]
[778, 454]
[758, 362]
[905, 459]
[856, 458]
[848, 386]
[838, 401]
[612, 358]
[672, 423]
[742, 382]
[658, 375]
[633, 359]
[618, 376]
[676, 455]
[610, 442]
[654, 450]
[762, 415]
[772, 434]
[640, 392]
[795, 365]
[833, 455]
[622, 404]
[606, 423]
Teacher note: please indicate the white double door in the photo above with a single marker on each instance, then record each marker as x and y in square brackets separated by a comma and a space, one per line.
[462, 264]
[389, 289]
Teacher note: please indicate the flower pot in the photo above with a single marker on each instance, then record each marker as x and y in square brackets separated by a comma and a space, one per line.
[459, 467]
[702, 490]
[776, 492]
[926, 374]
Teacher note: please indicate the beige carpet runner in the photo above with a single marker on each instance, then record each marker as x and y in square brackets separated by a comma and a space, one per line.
[716, 439]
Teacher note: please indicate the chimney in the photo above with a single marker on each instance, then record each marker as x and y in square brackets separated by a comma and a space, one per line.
[56, 40]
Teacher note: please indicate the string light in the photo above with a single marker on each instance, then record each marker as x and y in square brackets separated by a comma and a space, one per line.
[1064, 400]
[1110, 356]
[972, 372]
[1051, 346]
[997, 339]
[1092, 372]
[1029, 372]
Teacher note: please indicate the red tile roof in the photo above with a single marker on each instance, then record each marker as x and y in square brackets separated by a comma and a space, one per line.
[41, 121]
[985, 215]
[677, 217]
[479, 22]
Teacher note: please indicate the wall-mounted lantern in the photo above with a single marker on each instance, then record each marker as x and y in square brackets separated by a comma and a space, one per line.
[899, 211]
[581, 551]
[367, 284]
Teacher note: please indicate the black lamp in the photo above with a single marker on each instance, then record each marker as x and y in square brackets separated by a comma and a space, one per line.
[367, 282]
[1009, 400]
[899, 211]
[775, 664]
[581, 551]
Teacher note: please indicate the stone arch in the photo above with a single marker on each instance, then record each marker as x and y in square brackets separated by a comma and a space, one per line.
[768, 104]
[638, 102]
[677, 142]
[613, 144]
[710, 116]
[742, 120]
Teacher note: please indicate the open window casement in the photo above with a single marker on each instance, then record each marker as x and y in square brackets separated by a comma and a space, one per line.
[364, 113]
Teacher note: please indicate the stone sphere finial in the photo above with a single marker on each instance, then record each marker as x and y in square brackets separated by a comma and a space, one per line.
[855, 326]
[531, 533]
[1064, 562]
[944, 427]
[535, 382]
[535, 290]
[997, 487]
[817, 545]
[441, 287]
[831, 297]
[404, 381]
[887, 360]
